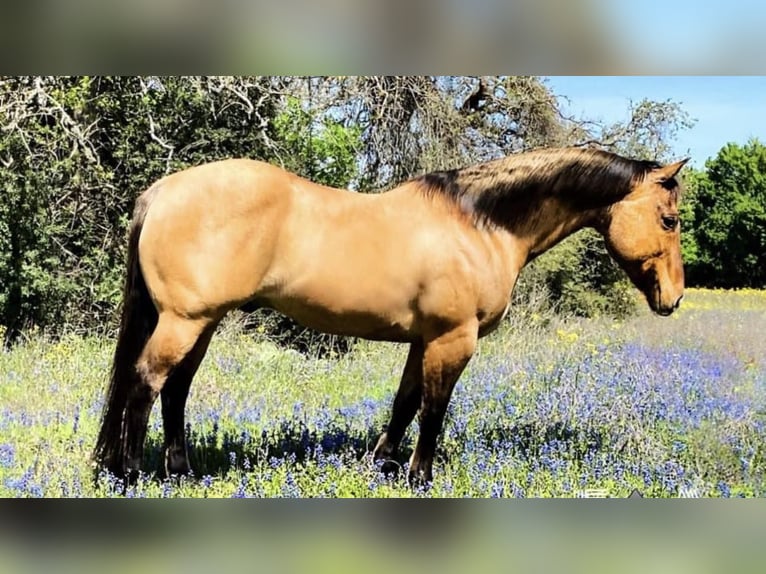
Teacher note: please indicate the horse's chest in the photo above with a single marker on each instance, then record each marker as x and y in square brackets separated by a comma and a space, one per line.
[489, 320]
[495, 301]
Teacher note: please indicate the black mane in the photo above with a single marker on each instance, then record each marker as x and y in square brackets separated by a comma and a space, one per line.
[506, 190]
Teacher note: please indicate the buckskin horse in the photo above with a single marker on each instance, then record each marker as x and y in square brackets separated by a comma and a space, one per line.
[431, 263]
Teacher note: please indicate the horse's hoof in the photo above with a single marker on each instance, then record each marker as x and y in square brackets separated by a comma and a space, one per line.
[176, 471]
[390, 468]
[132, 477]
[419, 480]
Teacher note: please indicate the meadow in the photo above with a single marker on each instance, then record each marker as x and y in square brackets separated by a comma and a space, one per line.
[548, 407]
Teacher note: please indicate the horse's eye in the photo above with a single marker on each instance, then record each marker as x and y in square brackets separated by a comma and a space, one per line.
[669, 222]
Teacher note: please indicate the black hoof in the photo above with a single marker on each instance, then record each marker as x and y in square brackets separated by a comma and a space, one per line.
[419, 480]
[176, 470]
[390, 468]
[176, 463]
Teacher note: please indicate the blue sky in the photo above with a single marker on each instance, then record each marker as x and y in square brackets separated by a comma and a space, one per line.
[688, 33]
[726, 108]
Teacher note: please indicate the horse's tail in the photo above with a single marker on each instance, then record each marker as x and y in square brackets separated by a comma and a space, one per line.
[138, 320]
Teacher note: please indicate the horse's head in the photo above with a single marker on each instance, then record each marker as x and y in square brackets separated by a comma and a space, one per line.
[642, 233]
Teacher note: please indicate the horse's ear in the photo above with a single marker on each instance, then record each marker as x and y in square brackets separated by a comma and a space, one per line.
[666, 172]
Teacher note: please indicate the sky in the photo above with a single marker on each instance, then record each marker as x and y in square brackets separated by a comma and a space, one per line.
[725, 108]
[688, 32]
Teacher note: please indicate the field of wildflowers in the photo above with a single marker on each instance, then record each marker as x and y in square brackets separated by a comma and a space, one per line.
[548, 407]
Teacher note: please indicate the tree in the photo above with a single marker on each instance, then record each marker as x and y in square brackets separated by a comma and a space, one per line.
[321, 149]
[690, 250]
[730, 218]
[649, 132]
[410, 125]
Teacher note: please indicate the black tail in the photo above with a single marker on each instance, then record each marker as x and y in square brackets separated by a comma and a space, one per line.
[139, 318]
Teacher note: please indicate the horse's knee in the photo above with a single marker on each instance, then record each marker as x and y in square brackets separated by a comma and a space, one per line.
[172, 340]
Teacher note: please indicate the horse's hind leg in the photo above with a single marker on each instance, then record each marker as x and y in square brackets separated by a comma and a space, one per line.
[173, 338]
[406, 404]
[173, 395]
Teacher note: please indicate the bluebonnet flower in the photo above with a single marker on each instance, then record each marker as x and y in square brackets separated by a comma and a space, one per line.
[517, 491]
[35, 491]
[374, 482]
[646, 474]
[241, 491]
[228, 364]
[497, 490]
[290, 487]
[7, 453]
[335, 461]
[76, 486]
[618, 470]
[24, 485]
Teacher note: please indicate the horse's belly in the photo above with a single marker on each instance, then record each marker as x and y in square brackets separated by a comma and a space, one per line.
[363, 321]
[363, 292]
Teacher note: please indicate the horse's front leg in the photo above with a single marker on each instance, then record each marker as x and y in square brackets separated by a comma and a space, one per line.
[444, 358]
[406, 404]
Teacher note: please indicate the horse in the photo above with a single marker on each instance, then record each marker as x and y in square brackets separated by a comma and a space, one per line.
[431, 263]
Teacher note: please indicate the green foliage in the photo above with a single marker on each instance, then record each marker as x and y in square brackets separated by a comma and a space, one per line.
[690, 250]
[320, 149]
[729, 219]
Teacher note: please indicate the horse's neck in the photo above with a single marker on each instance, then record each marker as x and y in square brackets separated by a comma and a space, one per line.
[552, 223]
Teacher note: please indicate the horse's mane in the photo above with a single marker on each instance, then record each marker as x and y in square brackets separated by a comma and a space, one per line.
[506, 190]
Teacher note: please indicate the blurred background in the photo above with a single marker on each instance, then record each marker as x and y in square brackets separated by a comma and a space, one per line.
[526, 36]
